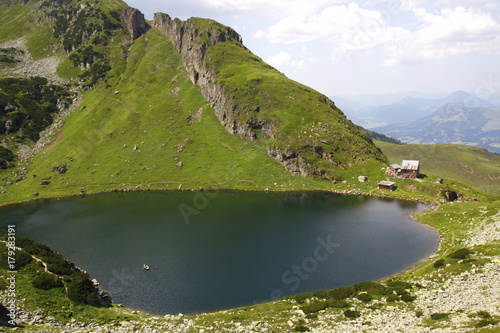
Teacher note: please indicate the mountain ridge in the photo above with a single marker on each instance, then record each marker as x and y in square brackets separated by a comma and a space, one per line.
[452, 123]
[202, 43]
[134, 78]
[407, 109]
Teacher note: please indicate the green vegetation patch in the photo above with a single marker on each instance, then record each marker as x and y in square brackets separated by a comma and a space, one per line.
[28, 106]
[7, 57]
[460, 254]
[439, 263]
[352, 314]
[6, 157]
[392, 290]
[439, 316]
[46, 280]
[321, 305]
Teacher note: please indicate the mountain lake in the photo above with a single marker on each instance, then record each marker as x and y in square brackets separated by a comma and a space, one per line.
[210, 251]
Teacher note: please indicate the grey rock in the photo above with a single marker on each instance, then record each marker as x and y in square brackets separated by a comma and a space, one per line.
[136, 23]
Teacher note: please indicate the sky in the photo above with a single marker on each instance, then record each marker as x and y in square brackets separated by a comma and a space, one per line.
[361, 47]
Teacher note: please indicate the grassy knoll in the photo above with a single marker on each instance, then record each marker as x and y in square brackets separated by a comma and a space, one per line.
[474, 166]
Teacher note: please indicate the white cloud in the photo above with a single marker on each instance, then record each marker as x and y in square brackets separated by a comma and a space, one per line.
[275, 8]
[488, 5]
[449, 33]
[334, 23]
[281, 59]
[407, 5]
[352, 30]
[284, 59]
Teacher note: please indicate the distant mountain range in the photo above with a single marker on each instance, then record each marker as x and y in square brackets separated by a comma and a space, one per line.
[453, 123]
[407, 109]
[459, 118]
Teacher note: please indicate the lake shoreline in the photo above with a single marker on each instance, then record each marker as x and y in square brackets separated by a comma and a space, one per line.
[340, 192]
[425, 259]
[313, 196]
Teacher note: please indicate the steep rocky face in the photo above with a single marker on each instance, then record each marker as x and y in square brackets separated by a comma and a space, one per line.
[186, 38]
[137, 25]
[291, 161]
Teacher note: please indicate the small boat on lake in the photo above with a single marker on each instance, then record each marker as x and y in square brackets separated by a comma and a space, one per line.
[146, 267]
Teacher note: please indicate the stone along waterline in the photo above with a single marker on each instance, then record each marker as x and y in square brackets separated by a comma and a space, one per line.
[215, 250]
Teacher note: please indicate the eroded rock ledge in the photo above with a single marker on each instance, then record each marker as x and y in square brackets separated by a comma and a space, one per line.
[137, 25]
[185, 37]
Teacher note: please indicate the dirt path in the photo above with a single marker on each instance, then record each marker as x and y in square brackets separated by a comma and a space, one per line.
[46, 269]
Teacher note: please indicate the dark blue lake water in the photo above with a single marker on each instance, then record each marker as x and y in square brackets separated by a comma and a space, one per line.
[211, 251]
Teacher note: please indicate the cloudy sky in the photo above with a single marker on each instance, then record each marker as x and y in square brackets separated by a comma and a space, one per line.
[363, 46]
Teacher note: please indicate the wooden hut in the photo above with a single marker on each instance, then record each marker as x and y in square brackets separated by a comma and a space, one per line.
[393, 170]
[386, 185]
[410, 169]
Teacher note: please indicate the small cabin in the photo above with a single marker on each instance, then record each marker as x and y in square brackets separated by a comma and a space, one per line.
[410, 169]
[386, 185]
[393, 170]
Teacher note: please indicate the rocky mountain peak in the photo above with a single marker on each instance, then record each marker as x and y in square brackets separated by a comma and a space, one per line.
[191, 38]
[183, 33]
[136, 23]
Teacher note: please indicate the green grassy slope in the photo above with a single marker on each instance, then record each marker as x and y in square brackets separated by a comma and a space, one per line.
[302, 120]
[147, 101]
[474, 166]
[147, 126]
[158, 109]
[17, 21]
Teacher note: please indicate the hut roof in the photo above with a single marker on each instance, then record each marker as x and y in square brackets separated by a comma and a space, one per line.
[386, 183]
[410, 165]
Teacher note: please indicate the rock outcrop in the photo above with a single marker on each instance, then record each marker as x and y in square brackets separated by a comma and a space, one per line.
[186, 38]
[136, 23]
[60, 169]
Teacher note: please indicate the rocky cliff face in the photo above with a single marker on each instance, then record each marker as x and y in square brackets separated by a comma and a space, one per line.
[191, 43]
[137, 25]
